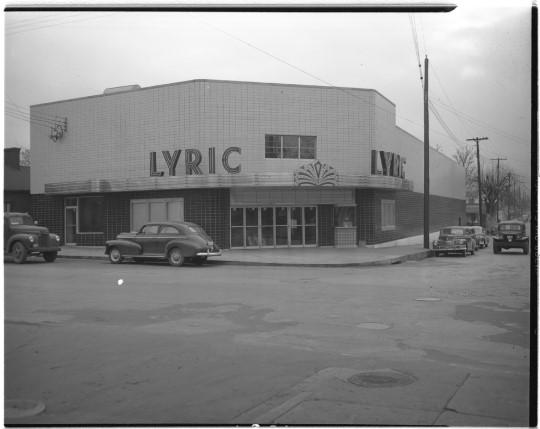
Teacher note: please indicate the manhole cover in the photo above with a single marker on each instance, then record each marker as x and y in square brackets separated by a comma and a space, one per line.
[385, 378]
[373, 325]
[428, 299]
[18, 408]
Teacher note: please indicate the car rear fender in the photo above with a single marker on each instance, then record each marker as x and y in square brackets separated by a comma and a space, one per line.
[125, 247]
[187, 246]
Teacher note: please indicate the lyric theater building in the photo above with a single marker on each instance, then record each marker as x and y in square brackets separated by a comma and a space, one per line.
[255, 164]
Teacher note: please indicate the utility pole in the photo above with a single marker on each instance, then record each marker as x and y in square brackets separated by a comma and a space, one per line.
[498, 190]
[426, 156]
[477, 139]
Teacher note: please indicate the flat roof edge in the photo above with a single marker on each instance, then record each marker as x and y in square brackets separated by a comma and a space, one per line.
[344, 88]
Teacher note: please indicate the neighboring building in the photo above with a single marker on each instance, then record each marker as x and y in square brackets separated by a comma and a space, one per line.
[472, 210]
[255, 164]
[16, 182]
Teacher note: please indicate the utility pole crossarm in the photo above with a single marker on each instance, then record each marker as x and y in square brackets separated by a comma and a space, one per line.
[478, 139]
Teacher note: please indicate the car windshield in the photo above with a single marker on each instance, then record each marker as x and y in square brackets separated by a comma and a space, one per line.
[452, 231]
[21, 220]
[510, 227]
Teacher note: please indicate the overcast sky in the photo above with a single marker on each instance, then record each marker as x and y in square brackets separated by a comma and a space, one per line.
[479, 54]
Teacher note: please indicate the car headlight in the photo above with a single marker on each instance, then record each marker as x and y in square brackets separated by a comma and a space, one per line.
[32, 238]
[55, 237]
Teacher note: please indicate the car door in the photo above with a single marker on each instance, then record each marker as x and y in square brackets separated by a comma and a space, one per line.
[167, 233]
[148, 238]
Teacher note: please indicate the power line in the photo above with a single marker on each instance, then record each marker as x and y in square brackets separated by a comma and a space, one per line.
[22, 118]
[305, 72]
[416, 47]
[32, 22]
[447, 97]
[33, 28]
[16, 108]
[478, 122]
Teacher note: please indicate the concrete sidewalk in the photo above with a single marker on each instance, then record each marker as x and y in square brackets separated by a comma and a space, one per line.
[299, 257]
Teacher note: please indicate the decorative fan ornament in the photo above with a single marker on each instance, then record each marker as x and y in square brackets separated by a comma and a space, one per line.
[316, 174]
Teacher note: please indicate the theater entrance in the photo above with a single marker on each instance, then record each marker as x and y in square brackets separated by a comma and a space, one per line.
[256, 227]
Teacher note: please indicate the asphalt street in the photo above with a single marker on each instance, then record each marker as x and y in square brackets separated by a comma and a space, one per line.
[442, 341]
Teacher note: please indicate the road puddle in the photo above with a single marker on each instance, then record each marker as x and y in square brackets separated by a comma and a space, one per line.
[514, 320]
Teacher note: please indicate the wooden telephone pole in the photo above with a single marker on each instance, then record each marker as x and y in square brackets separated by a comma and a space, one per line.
[426, 156]
[477, 139]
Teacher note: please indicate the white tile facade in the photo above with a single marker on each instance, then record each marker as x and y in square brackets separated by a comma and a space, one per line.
[110, 137]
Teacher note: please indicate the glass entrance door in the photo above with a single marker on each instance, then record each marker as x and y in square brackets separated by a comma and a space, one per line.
[70, 224]
[273, 227]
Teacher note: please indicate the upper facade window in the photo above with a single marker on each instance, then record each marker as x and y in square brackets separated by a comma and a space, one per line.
[290, 147]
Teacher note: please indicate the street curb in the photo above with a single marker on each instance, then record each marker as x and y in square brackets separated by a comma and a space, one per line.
[417, 256]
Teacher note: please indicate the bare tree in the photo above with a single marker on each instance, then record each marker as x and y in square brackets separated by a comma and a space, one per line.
[494, 190]
[466, 157]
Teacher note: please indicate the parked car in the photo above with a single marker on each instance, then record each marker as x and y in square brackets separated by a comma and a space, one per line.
[454, 239]
[511, 234]
[172, 241]
[23, 238]
[481, 238]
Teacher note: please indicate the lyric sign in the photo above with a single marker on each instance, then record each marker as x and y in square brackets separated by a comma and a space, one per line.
[387, 164]
[192, 161]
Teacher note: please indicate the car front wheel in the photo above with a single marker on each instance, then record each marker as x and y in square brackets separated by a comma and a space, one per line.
[49, 256]
[176, 259]
[115, 256]
[19, 253]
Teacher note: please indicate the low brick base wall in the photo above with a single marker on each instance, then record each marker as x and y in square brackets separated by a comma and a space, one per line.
[409, 214]
[210, 208]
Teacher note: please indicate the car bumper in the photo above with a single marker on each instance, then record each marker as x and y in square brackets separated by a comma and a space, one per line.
[505, 244]
[209, 253]
[450, 249]
[42, 249]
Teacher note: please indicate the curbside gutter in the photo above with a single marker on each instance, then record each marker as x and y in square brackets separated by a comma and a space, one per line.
[416, 256]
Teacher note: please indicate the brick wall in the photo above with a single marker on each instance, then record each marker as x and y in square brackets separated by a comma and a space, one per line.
[19, 201]
[409, 214]
[49, 211]
[326, 225]
[209, 208]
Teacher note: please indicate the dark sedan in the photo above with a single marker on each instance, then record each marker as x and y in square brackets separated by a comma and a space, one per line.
[172, 241]
[482, 239]
[511, 234]
[454, 239]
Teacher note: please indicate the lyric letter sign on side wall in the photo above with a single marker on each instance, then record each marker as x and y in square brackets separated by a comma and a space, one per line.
[192, 162]
[387, 164]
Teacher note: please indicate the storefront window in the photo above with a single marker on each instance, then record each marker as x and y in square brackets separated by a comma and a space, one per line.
[344, 217]
[307, 147]
[281, 226]
[237, 216]
[267, 228]
[388, 214]
[290, 147]
[90, 214]
[237, 227]
[272, 146]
